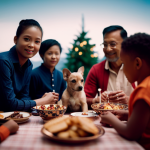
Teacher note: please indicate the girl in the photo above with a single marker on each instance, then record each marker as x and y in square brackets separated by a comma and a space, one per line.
[16, 69]
[135, 57]
[46, 78]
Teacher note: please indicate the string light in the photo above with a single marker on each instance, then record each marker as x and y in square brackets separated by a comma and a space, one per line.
[76, 49]
[84, 42]
[81, 44]
[91, 49]
[92, 55]
[80, 53]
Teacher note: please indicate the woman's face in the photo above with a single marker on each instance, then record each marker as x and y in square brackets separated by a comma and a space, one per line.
[28, 43]
[51, 57]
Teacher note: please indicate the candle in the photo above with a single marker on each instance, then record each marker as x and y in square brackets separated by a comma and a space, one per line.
[99, 94]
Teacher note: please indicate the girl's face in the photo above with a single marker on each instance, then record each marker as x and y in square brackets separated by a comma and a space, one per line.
[51, 57]
[28, 43]
[129, 66]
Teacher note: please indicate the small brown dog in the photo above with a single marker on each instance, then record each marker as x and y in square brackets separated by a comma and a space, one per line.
[74, 96]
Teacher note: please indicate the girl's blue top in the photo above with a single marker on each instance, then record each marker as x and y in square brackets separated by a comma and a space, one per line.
[14, 82]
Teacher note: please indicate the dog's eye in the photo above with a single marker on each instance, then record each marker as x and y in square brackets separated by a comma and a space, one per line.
[82, 80]
[73, 81]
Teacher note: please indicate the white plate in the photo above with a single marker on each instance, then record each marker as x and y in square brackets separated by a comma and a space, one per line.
[89, 114]
[26, 116]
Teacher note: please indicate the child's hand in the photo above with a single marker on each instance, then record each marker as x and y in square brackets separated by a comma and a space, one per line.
[106, 117]
[56, 96]
[11, 125]
[51, 97]
[121, 114]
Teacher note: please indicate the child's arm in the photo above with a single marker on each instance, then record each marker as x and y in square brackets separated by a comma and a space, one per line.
[8, 128]
[121, 114]
[136, 123]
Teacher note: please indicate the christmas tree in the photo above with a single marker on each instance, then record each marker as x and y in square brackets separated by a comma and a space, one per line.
[81, 54]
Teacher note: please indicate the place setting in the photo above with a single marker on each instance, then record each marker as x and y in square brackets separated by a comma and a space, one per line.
[74, 127]
[70, 128]
[17, 116]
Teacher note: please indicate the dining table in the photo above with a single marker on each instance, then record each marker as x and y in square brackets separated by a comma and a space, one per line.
[30, 137]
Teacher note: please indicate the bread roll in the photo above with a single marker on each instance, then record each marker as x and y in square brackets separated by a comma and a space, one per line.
[57, 124]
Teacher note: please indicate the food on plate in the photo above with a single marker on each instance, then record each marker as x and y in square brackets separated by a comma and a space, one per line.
[50, 107]
[15, 115]
[57, 124]
[71, 127]
[1, 116]
[84, 113]
[108, 106]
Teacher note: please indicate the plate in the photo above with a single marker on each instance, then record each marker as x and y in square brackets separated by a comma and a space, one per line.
[99, 111]
[25, 118]
[73, 140]
[89, 114]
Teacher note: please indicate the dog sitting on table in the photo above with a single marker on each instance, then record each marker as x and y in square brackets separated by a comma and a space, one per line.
[74, 96]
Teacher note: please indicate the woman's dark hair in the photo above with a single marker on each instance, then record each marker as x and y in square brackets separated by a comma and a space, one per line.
[45, 45]
[123, 32]
[137, 45]
[24, 24]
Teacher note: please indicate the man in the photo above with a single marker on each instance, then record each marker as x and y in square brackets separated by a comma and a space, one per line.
[108, 75]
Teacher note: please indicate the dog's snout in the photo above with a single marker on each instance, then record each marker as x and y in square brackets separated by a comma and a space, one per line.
[80, 88]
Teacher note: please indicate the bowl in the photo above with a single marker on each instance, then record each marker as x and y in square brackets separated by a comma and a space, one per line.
[50, 111]
[101, 107]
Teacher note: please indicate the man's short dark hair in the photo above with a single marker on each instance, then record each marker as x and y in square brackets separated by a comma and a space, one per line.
[138, 45]
[123, 32]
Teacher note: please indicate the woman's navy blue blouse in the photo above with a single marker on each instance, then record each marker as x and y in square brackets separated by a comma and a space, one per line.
[42, 81]
[14, 82]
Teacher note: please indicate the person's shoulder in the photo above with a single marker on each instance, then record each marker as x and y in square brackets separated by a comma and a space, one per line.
[144, 86]
[145, 83]
[4, 56]
[100, 64]
[5, 59]
[36, 71]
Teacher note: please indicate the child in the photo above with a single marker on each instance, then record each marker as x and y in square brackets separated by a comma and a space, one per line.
[46, 78]
[7, 128]
[135, 55]
[15, 69]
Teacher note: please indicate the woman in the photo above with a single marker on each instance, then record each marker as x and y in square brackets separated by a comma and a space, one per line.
[16, 69]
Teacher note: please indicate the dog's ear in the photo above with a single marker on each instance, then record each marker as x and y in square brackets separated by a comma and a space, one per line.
[66, 74]
[81, 70]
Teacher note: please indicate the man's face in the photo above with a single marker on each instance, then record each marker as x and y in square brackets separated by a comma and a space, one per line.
[112, 45]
